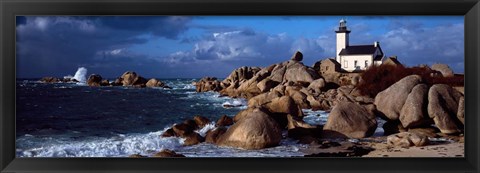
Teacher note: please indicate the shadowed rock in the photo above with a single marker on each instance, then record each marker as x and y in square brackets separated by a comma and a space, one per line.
[94, 80]
[443, 108]
[414, 111]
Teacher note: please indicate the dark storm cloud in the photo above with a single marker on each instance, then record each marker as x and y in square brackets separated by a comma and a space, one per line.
[247, 47]
[56, 46]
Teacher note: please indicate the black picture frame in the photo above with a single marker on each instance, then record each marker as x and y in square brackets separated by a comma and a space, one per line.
[10, 8]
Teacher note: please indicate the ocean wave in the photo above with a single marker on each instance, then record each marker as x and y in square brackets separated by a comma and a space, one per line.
[315, 117]
[121, 145]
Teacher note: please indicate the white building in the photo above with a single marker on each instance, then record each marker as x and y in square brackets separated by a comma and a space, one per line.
[355, 57]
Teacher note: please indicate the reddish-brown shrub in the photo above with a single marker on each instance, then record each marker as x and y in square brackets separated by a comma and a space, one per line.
[378, 78]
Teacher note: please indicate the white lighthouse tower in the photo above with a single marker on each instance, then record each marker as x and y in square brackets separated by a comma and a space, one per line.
[342, 38]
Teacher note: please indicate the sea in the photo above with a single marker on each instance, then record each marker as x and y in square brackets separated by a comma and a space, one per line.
[75, 120]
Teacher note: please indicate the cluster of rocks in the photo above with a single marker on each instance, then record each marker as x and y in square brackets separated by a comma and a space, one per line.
[417, 107]
[128, 78]
[187, 130]
[277, 94]
[50, 79]
[304, 84]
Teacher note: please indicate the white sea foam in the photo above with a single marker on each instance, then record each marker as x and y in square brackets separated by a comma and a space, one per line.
[234, 103]
[315, 117]
[124, 145]
[81, 75]
[118, 146]
[286, 148]
[203, 131]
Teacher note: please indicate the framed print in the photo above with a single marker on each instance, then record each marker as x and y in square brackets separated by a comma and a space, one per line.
[153, 86]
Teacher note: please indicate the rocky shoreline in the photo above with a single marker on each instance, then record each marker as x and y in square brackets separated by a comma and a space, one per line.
[415, 110]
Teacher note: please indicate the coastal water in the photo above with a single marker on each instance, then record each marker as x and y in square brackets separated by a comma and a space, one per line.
[75, 120]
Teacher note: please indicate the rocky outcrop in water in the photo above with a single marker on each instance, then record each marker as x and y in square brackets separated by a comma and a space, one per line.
[50, 80]
[94, 80]
[156, 83]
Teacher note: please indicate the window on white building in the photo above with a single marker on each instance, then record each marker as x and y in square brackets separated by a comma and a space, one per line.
[366, 63]
[345, 63]
[355, 64]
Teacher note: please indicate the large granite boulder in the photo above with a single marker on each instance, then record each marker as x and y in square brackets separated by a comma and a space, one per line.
[297, 72]
[443, 108]
[255, 131]
[414, 111]
[193, 139]
[266, 84]
[278, 72]
[155, 83]
[208, 84]
[213, 135]
[444, 69]
[317, 86]
[391, 100]
[284, 105]
[131, 78]
[263, 98]
[128, 78]
[94, 80]
[240, 75]
[351, 120]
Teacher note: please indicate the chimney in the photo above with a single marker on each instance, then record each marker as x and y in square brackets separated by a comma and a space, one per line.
[376, 44]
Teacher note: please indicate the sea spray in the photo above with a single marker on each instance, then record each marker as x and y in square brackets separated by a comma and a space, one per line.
[81, 75]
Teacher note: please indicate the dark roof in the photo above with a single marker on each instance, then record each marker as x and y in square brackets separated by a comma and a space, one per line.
[360, 50]
[378, 58]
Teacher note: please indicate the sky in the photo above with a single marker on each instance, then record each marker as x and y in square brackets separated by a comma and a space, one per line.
[198, 46]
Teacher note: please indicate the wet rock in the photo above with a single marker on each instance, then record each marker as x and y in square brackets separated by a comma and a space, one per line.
[201, 121]
[155, 83]
[224, 120]
[213, 135]
[182, 130]
[168, 133]
[167, 153]
[193, 139]
[94, 80]
[137, 156]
